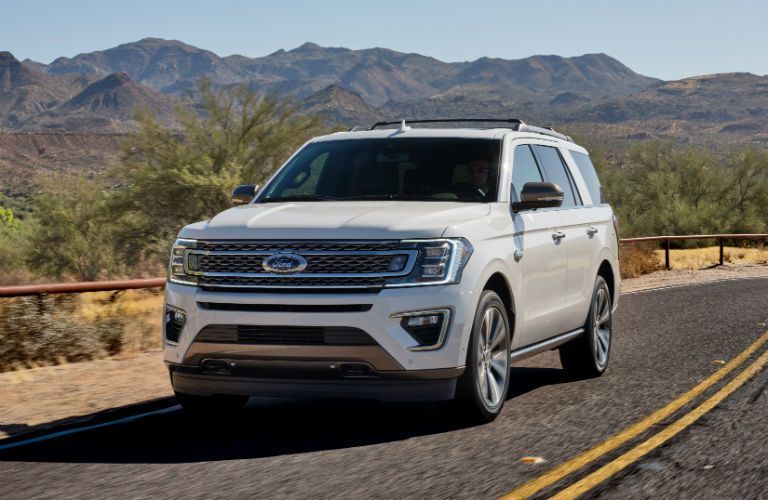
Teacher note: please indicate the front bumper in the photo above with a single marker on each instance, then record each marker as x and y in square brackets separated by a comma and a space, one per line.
[382, 371]
[421, 385]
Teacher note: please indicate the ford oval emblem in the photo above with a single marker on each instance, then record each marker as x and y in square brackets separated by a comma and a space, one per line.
[284, 263]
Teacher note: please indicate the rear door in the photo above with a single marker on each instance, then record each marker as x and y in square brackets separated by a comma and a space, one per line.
[542, 258]
[593, 225]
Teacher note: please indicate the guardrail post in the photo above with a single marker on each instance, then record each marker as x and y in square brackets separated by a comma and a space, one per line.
[720, 240]
[666, 254]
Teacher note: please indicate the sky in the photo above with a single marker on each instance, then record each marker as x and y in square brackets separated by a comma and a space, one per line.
[668, 39]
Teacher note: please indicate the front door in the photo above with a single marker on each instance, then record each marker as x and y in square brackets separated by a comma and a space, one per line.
[542, 257]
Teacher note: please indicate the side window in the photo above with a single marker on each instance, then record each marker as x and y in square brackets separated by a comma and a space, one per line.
[555, 171]
[524, 169]
[590, 177]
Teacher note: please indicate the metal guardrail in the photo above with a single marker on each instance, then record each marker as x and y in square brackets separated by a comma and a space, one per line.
[719, 237]
[85, 286]
[106, 286]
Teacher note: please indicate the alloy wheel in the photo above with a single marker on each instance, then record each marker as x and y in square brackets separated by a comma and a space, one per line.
[492, 357]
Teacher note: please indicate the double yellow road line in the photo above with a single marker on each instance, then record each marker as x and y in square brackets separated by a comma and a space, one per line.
[578, 462]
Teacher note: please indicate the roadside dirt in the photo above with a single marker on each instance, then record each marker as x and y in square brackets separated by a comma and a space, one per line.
[55, 395]
[50, 396]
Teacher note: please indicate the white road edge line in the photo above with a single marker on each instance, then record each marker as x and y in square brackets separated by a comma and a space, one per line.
[54, 435]
[679, 285]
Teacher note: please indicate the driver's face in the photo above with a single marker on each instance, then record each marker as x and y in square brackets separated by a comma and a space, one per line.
[478, 172]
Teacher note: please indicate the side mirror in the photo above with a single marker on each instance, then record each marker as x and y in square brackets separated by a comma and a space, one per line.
[539, 195]
[244, 194]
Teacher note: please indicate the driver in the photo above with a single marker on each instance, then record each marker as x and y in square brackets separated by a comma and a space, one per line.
[479, 173]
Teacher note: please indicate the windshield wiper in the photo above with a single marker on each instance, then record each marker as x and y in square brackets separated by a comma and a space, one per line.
[299, 197]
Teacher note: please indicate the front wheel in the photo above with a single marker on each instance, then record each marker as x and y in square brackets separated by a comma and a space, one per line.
[483, 387]
[587, 356]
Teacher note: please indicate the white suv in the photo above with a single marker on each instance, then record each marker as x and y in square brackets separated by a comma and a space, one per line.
[397, 263]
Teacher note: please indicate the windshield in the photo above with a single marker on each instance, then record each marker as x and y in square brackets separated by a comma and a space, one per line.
[422, 169]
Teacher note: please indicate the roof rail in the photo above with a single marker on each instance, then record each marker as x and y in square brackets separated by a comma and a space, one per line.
[513, 123]
[544, 130]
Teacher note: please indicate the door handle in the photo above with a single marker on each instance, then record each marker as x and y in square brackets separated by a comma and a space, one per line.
[558, 235]
[591, 231]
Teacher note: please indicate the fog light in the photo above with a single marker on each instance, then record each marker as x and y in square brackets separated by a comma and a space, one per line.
[173, 324]
[423, 320]
[428, 328]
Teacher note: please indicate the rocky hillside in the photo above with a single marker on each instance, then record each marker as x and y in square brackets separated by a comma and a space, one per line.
[163, 65]
[25, 92]
[339, 105]
[107, 104]
[728, 107]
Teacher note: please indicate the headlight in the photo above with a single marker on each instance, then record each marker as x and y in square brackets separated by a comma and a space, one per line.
[439, 262]
[177, 268]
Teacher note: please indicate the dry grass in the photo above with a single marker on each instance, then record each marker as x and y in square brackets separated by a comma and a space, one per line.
[140, 312]
[702, 258]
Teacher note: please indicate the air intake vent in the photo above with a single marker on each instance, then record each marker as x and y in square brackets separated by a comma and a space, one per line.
[284, 335]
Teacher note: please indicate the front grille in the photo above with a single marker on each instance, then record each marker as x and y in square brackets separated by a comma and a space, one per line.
[329, 264]
[284, 335]
[288, 282]
[298, 246]
[316, 264]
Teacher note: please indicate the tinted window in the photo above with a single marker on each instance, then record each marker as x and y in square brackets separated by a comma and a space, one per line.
[524, 169]
[422, 169]
[590, 176]
[554, 170]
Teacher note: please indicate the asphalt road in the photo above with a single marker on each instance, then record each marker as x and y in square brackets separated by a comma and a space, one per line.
[666, 342]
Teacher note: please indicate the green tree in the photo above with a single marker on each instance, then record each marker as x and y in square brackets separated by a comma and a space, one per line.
[169, 177]
[72, 235]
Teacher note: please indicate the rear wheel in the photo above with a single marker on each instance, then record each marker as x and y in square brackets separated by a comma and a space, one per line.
[588, 355]
[483, 387]
[217, 403]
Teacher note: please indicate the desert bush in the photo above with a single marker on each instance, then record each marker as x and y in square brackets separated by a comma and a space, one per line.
[36, 330]
[637, 259]
[68, 328]
[662, 188]
[73, 233]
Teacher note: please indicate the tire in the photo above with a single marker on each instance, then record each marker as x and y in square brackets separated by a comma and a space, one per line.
[210, 405]
[483, 387]
[587, 356]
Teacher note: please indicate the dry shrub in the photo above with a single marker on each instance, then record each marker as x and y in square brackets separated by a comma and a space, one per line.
[636, 259]
[67, 328]
[134, 314]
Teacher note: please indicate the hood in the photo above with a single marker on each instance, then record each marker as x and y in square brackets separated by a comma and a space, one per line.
[352, 220]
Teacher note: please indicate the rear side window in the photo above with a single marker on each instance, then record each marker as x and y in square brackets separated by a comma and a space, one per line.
[524, 169]
[590, 176]
[555, 171]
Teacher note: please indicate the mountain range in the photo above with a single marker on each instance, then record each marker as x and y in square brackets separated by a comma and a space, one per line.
[155, 71]
[592, 95]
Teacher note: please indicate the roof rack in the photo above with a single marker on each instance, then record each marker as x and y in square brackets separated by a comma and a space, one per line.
[513, 123]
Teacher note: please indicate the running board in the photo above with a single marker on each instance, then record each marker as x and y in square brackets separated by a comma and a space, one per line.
[544, 345]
